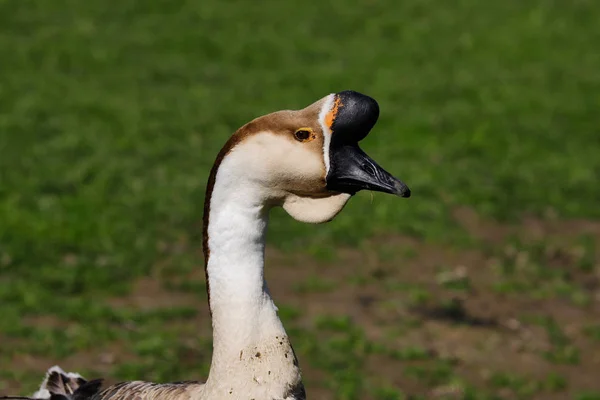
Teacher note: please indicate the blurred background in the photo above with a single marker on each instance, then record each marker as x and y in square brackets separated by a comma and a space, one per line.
[484, 285]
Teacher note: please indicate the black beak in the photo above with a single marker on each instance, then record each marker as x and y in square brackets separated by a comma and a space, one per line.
[350, 168]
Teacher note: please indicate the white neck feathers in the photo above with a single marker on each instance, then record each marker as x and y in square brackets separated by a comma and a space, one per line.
[251, 354]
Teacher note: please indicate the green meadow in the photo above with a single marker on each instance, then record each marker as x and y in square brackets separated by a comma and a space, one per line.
[485, 284]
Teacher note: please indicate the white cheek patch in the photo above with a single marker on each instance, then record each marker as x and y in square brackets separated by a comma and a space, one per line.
[327, 106]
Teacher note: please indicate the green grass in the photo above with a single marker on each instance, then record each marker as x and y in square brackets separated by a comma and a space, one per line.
[314, 284]
[112, 112]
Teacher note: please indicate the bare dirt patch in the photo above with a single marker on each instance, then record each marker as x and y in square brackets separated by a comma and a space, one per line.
[404, 302]
[484, 332]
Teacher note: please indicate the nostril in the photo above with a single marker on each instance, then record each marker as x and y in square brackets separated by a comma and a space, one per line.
[368, 167]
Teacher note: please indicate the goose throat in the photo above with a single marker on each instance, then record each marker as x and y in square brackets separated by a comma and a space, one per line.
[250, 344]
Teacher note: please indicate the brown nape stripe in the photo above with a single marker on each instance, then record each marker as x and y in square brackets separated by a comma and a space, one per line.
[280, 122]
[207, 196]
[234, 140]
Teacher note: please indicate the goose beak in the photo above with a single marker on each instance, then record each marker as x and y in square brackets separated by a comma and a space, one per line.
[350, 169]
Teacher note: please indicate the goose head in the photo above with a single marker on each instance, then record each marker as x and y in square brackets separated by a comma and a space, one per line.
[308, 161]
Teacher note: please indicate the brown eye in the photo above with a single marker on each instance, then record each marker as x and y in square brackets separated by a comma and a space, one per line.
[303, 134]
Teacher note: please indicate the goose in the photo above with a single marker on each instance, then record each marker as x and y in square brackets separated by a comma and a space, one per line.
[307, 161]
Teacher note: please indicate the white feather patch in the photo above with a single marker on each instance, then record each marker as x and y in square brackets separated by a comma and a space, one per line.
[326, 131]
[43, 392]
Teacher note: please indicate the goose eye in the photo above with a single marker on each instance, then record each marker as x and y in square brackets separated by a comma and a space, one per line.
[303, 134]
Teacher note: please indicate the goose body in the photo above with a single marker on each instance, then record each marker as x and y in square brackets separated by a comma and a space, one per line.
[306, 161]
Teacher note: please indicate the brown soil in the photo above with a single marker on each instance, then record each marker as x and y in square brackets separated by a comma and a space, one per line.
[488, 331]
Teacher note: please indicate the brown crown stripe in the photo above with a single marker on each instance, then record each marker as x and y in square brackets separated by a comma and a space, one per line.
[281, 122]
[245, 131]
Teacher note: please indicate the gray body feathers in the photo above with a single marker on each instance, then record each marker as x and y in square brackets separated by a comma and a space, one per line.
[139, 390]
[60, 385]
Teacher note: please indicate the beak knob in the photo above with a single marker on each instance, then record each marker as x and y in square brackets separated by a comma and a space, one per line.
[355, 116]
[350, 119]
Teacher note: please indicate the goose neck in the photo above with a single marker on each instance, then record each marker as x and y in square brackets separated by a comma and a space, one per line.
[251, 350]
